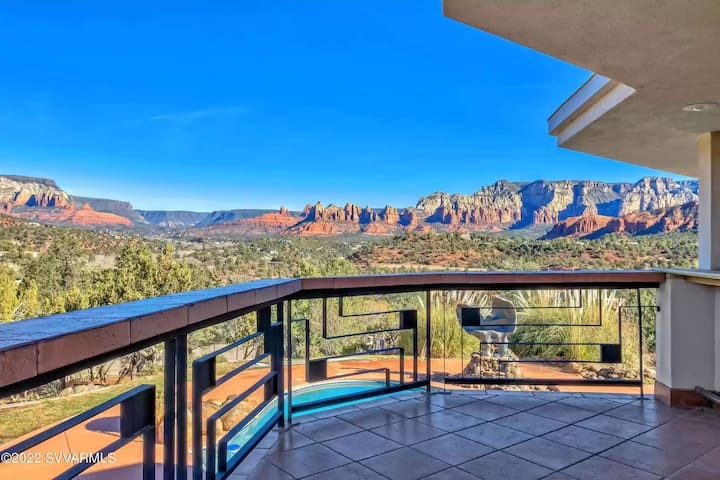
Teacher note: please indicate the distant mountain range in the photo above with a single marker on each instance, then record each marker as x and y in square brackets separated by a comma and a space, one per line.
[581, 208]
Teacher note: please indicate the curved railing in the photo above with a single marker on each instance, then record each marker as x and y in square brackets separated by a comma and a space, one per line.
[36, 351]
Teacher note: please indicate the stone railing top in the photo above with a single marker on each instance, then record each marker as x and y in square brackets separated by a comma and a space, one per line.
[40, 345]
[43, 346]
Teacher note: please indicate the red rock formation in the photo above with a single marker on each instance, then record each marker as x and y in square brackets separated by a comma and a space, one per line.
[447, 215]
[408, 218]
[499, 203]
[547, 202]
[352, 213]
[313, 229]
[368, 215]
[379, 229]
[88, 216]
[271, 223]
[84, 216]
[281, 219]
[682, 217]
[390, 215]
[41, 199]
[334, 220]
[332, 213]
[31, 192]
[545, 215]
[579, 226]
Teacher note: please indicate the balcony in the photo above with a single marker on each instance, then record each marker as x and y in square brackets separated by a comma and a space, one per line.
[354, 377]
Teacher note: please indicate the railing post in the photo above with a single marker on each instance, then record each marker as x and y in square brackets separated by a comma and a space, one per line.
[181, 408]
[428, 370]
[264, 320]
[149, 453]
[278, 363]
[175, 409]
[641, 345]
[203, 378]
[210, 451]
[288, 330]
[137, 413]
[169, 409]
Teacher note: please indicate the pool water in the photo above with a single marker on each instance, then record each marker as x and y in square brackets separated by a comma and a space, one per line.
[306, 394]
[322, 391]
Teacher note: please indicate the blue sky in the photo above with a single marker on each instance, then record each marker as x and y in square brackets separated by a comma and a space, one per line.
[254, 104]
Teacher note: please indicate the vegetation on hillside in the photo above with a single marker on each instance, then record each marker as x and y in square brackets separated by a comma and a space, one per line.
[414, 251]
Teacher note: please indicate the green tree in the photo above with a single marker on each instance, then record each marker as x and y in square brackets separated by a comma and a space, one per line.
[9, 303]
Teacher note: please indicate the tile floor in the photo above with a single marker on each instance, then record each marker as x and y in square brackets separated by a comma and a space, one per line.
[472, 435]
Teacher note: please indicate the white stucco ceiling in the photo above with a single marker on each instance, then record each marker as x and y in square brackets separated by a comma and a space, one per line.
[668, 51]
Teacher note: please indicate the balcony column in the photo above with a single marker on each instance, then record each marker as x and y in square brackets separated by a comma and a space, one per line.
[688, 324]
[687, 355]
[709, 205]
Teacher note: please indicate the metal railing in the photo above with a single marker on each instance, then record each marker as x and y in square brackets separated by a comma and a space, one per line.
[215, 463]
[137, 419]
[608, 353]
[316, 369]
[169, 321]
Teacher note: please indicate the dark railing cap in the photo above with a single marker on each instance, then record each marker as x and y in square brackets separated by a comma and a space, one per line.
[40, 345]
[495, 280]
[47, 345]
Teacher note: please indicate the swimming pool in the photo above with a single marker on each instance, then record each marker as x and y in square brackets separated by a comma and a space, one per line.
[301, 395]
[325, 390]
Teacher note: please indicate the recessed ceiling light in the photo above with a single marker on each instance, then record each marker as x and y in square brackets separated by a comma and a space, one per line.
[702, 107]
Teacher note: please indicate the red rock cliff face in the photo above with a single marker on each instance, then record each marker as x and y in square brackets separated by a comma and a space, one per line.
[271, 223]
[499, 206]
[579, 208]
[315, 229]
[40, 199]
[499, 203]
[390, 215]
[84, 216]
[350, 213]
[335, 220]
[680, 217]
[545, 215]
[579, 226]
[653, 193]
[506, 204]
[409, 218]
[281, 219]
[31, 192]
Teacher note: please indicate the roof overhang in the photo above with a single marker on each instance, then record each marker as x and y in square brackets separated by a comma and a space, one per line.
[652, 58]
